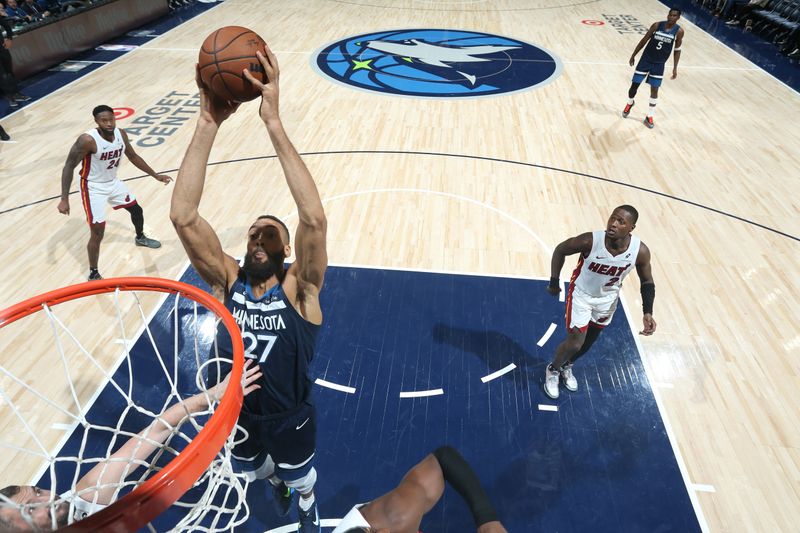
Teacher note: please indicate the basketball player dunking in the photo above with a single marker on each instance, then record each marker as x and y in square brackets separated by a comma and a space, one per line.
[278, 310]
[101, 150]
[606, 259]
[659, 39]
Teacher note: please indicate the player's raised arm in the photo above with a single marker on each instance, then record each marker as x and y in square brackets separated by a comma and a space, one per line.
[107, 475]
[580, 244]
[310, 240]
[198, 237]
[648, 289]
[83, 146]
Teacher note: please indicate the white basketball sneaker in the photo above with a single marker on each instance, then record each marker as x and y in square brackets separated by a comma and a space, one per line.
[569, 378]
[551, 382]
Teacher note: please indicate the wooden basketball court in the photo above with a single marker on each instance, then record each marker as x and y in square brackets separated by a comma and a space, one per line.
[488, 185]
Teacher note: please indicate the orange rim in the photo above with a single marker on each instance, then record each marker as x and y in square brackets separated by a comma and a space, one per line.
[158, 493]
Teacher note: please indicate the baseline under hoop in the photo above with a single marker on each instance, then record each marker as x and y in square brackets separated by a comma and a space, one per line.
[148, 500]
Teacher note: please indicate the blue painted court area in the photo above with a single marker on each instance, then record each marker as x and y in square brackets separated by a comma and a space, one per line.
[602, 462]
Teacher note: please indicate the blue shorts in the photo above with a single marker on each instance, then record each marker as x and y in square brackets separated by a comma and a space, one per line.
[289, 439]
[654, 72]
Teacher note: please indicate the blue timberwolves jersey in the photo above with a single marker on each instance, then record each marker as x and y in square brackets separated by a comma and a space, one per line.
[660, 46]
[279, 340]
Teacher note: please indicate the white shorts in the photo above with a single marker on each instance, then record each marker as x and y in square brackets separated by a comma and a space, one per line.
[95, 196]
[583, 308]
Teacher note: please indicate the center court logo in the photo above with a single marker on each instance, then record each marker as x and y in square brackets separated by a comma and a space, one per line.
[437, 63]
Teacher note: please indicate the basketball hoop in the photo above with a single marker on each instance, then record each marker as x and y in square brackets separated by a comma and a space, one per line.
[205, 457]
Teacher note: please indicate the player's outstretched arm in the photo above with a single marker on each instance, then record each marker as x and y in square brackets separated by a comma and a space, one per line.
[310, 240]
[198, 237]
[107, 475]
[139, 162]
[580, 244]
[82, 147]
[648, 289]
[402, 509]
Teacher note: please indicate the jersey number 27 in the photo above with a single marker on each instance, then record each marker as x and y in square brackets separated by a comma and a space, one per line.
[251, 342]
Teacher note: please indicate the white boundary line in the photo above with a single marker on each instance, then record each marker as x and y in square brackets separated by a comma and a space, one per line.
[547, 334]
[701, 519]
[421, 393]
[335, 386]
[703, 488]
[544, 407]
[499, 373]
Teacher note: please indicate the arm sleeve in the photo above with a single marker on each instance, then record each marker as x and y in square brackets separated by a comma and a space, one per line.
[461, 477]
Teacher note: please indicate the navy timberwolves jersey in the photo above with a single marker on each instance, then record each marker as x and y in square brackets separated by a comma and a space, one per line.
[660, 46]
[279, 340]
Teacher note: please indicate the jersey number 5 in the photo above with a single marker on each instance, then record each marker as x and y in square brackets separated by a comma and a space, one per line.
[658, 45]
[251, 342]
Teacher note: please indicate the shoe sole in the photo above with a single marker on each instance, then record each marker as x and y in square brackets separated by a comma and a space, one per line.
[148, 246]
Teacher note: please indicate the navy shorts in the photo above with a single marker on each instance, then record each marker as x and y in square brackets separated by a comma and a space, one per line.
[288, 438]
[654, 72]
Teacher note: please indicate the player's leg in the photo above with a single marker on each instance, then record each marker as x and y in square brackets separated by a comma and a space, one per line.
[292, 446]
[639, 74]
[94, 198]
[96, 232]
[602, 312]
[578, 314]
[251, 458]
[137, 217]
[122, 198]
[591, 336]
[654, 79]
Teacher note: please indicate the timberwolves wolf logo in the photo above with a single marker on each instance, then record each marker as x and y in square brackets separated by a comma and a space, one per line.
[437, 63]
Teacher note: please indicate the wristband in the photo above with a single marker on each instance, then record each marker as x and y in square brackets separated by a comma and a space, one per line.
[648, 291]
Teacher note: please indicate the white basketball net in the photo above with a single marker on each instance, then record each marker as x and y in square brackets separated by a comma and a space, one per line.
[103, 355]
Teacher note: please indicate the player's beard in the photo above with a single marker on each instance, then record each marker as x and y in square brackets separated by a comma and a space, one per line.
[260, 272]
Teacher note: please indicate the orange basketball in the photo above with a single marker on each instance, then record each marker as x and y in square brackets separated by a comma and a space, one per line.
[223, 56]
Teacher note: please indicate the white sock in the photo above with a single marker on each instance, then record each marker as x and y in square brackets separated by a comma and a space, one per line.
[630, 101]
[652, 109]
[306, 503]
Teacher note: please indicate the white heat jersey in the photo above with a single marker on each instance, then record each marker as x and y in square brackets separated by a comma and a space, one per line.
[601, 274]
[80, 507]
[101, 166]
